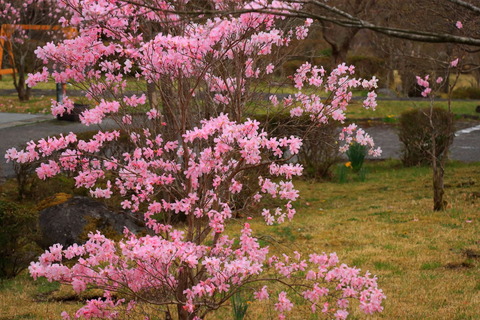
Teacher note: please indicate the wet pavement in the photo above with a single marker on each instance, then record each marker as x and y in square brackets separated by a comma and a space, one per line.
[16, 119]
[465, 148]
[17, 129]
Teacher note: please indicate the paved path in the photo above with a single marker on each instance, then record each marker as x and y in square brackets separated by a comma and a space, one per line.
[466, 145]
[15, 119]
[16, 129]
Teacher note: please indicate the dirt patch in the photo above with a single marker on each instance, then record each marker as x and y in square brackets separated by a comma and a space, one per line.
[459, 265]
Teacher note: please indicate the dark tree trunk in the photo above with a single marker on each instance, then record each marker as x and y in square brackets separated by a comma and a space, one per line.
[23, 91]
[182, 285]
[339, 53]
[438, 187]
[439, 157]
[339, 39]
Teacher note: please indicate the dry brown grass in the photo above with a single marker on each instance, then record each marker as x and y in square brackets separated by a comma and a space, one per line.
[11, 104]
[21, 298]
[427, 262]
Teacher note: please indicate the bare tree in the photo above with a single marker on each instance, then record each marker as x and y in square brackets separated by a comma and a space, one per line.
[340, 38]
[24, 28]
[437, 39]
[329, 12]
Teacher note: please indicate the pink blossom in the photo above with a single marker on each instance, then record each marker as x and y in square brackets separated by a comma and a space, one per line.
[426, 92]
[48, 170]
[177, 166]
[341, 314]
[274, 100]
[269, 68]
[33, 79]
[283, 303]
[262, 294]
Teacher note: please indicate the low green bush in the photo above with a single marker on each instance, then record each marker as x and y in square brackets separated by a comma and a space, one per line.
[17, 233]
[419, 128]
[466, 93]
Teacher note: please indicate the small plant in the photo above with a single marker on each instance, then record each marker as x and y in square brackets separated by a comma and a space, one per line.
[362, 174]
[356, 156]
[342, 172]
[239, 306]
[390, 118]
[344, 169]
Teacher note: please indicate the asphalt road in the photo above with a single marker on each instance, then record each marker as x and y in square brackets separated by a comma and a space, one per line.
[17, 129]
[466, 145]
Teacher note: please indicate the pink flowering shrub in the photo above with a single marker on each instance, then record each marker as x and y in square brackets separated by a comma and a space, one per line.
[192, 152]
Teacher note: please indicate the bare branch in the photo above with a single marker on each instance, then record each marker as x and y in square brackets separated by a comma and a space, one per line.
[466, 5]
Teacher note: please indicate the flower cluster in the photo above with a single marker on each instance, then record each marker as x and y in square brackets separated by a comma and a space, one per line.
[190, 159]
[354, 134]
[143, 265]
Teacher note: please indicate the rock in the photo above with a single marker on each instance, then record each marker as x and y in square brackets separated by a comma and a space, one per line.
[69, 222]
[477, 109]
[75, 114]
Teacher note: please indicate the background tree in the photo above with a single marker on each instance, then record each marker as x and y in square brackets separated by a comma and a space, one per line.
[325, 11]
[341, 38]
[19, 44]
[423, 37]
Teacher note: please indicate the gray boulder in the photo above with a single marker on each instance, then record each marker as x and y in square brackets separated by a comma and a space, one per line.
[68, 223]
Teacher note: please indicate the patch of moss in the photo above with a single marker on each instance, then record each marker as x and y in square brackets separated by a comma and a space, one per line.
[94, 224]
[56, 199]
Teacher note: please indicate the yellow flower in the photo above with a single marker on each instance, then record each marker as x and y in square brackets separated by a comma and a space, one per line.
[348, 164]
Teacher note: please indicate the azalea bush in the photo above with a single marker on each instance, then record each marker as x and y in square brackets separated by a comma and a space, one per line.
[192, 151]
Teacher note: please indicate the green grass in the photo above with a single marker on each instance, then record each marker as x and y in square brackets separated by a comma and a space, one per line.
[387, 110]
[7, 83]
[390, 110]
[40, 104]
[430, 265]
[24, 298]
[384, 224]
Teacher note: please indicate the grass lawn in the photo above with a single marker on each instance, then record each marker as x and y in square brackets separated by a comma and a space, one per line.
[34, 105]
[428, 263]
[388, 110]
[7, 83]
[392, 109]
